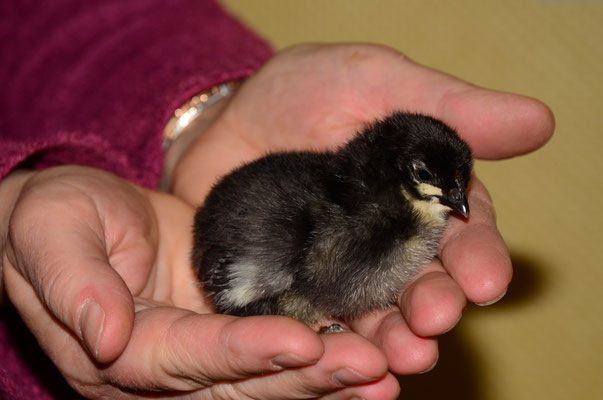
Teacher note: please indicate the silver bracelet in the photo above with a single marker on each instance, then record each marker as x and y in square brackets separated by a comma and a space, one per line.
[186, 114]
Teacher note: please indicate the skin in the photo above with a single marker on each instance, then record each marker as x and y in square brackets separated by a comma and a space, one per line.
[72, 237]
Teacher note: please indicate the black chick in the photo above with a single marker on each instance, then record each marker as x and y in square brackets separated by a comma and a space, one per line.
[322, 235]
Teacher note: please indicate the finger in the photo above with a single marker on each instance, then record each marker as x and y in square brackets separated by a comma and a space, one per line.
[383, 389]
[495, 124]
[406, 352]
[175, 349]
[348, 363]
[433, 303]
[58, 247]
[474, 253]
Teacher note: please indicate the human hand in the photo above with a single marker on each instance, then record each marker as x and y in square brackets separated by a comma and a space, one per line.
[99, 270]
[316, 97]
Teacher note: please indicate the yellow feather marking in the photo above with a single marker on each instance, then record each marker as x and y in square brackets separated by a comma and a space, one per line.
[429, 190]
[431, 211]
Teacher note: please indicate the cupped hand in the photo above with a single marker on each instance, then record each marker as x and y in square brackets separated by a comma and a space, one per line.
[317, 97]
[99, 270]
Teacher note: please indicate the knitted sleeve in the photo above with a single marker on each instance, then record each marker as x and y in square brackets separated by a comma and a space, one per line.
[94, 82]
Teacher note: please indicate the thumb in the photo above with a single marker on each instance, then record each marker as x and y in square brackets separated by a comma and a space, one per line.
[496, 124]
[97, 308]
[56, 254]
[200, 350]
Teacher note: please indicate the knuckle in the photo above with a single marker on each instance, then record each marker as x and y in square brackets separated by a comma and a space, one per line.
[227, 391]
[52, 286]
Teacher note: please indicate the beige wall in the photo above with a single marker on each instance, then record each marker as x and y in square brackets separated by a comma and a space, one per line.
[545, 339]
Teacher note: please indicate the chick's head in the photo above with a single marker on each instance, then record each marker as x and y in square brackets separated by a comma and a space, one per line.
[419, 155]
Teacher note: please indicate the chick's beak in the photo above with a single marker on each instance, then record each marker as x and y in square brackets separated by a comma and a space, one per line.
[457, 200]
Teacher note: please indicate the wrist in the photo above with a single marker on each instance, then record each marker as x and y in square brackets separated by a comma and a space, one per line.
[10, 189]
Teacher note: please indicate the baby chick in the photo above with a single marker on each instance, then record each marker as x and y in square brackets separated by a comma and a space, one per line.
[333, 234]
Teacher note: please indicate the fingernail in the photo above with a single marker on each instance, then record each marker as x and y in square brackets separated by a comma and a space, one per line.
[492, 301]
[289, 360]
[432, 365]
[347, 377]
[92, 320]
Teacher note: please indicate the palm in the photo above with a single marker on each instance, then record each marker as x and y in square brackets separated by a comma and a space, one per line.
[315, 97]
[92, 222]
[318, 101]
[101, 240]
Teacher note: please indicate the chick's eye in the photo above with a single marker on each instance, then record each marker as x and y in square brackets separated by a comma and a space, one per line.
[424, 175]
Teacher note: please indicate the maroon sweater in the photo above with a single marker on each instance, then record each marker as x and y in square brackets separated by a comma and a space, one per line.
[93, 83]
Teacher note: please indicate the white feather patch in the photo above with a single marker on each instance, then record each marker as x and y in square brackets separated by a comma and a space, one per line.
[244, 288]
